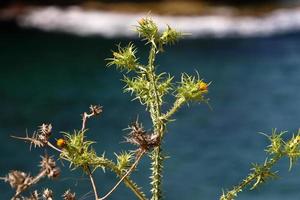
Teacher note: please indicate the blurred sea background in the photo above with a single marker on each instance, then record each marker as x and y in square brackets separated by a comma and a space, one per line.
[53, 68]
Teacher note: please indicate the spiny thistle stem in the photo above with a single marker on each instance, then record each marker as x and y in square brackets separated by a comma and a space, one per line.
[177, 104]
[157, 168]
[155, 112]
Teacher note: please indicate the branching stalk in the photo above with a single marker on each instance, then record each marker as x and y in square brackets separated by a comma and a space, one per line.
[92, 182]
[125, 175]
[177, 104]
[128, 182]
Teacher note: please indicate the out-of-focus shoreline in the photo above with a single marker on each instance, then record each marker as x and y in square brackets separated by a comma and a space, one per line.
[112, 20]
[170, 8]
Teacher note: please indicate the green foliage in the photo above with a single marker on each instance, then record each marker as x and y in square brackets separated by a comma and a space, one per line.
[124, 160]
[124, 58]
[148, 30]
[78, 151]
[170, 36]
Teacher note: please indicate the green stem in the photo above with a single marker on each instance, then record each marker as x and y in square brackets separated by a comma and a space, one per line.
[177, 104]
[158, 124]
[157, 167]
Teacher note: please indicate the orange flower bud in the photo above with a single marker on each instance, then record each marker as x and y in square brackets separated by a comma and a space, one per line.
[61, 143]
[203, 87]
[142, 21]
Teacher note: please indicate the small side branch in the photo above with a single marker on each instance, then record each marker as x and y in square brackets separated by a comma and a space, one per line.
[177, 104]
[92, 182]
[94, 110]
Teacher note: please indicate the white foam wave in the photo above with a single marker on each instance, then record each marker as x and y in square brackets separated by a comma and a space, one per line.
[110, 24]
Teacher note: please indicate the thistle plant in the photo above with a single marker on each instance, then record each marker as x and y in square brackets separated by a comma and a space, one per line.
[150, 88]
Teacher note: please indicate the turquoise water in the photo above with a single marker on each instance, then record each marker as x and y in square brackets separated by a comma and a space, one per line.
[55, 77]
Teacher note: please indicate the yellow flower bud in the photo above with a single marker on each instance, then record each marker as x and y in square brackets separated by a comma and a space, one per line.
[203, 87]
[61, 143]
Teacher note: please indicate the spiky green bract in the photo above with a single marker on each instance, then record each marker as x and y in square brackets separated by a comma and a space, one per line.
[148, 30]
[124, 160]
[190, 90]
[276, 142]
[78, 151]
[124, 58]
[260, 173]
[143, 90]
[292, 149]
[169, 37]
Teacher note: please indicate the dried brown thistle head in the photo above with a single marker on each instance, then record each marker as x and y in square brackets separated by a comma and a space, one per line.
[34, 196]
[39, 138]
[139, 137]
[48, 165]
[68, 195]
[18, 180]
[96, 109]
[47, 194]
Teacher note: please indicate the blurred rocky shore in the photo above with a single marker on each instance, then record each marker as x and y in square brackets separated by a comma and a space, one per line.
[213, 18]
[10, 10]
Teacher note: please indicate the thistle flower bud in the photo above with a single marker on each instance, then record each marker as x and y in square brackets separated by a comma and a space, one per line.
[292, 149]
[192, 89]
[147, 29]
[170, 36]
[123, 160]
[124, 58]
[61, 143]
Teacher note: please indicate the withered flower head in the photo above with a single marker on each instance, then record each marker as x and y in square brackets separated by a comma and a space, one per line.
[34, 196]
[48, 164]
[139, 137]
[47, 194]
[39, 138]
[18, 180]
[44, 133]
[96, 109]
[68, 195]
[45, 129]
